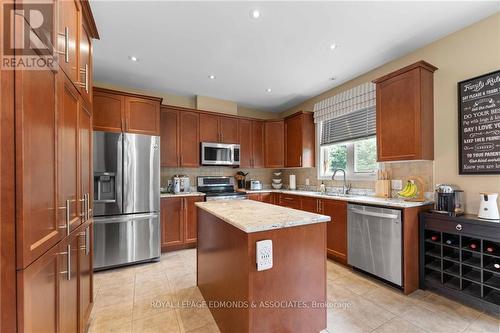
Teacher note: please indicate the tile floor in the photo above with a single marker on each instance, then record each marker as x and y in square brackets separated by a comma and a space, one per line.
[147, 298]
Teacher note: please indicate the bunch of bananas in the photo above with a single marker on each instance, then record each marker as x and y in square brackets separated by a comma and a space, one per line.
[409, 191]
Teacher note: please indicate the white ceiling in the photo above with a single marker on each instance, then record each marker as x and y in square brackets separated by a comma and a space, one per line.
[179, 44]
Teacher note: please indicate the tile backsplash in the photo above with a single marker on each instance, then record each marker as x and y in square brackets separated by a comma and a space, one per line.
[398, 170]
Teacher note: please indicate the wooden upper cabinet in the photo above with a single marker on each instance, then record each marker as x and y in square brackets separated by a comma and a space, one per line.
[108, 111]
[189, 139]
[142, 116]
[246, 152]
[68, 26]
[169, 137]
[274, 141]
[37, 228]
[336, 234]
[68, 138]
[405, 119]
[117, 111]
[84, 64]
[214, 128]
[257, 144]
[209, 128]
[299, 140]
[228, 129]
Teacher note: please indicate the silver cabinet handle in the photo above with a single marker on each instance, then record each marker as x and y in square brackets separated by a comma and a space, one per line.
[300, 160]
[66, 44]
[68, 216]
[458, 227]
[84, 84]
[368, 213]
[87, 240]
[68, 276]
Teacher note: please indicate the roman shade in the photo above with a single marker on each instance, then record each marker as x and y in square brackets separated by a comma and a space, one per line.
[349, 115]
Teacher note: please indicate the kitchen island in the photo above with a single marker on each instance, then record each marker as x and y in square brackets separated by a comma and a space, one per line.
[288, 297]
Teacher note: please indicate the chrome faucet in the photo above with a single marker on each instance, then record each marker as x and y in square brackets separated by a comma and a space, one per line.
[345, 188]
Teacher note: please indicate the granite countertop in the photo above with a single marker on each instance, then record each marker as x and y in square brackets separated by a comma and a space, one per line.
[253, 216]
[190, 194]
[362, 199]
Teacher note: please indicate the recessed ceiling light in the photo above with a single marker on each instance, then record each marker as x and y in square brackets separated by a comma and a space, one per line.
[333, 78]
[255, 14]
[211, 77]
[133, 58]
[333, 46]
[268, 90]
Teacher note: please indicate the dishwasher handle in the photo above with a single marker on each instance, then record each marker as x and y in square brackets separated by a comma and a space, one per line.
[381, 215]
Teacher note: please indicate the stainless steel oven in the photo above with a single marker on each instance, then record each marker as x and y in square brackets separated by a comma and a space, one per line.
[220, 153]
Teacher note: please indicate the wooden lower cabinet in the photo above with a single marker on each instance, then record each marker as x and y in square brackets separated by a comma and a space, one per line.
[178, 222]
[55, 293]
[336, 231]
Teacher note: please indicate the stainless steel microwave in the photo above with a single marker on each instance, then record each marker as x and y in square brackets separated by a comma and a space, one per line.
[220, 153]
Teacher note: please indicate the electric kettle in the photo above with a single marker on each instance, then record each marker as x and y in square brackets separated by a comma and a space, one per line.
[488, 208]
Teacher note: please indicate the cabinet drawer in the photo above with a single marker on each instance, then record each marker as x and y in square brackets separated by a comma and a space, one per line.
[461, 227]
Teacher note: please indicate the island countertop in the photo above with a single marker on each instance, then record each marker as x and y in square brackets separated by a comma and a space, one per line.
[253, 216]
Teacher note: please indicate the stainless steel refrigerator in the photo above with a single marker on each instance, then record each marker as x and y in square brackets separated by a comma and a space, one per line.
[126, 199]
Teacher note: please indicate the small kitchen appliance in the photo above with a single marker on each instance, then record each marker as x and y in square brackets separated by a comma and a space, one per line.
[240, 177]
[180, 184]
[488, 208]
[449, 200]
[254, 185]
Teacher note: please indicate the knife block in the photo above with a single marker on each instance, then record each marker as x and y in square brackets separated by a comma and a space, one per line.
[383, 188]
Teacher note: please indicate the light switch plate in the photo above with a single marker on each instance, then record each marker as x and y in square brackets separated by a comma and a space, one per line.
[264, 253]
[307, 181]
[397, 184]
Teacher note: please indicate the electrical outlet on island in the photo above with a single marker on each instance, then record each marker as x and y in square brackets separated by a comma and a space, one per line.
[264, 253]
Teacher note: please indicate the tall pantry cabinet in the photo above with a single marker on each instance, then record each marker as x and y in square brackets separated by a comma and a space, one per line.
[46, 243]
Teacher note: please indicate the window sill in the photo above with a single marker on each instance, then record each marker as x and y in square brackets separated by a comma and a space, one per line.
[351, 178]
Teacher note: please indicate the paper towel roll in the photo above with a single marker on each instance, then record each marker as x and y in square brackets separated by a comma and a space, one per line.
[293, 184]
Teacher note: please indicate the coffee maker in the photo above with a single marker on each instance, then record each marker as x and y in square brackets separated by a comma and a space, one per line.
[449, 200]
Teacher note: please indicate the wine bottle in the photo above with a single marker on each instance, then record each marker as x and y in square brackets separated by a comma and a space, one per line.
[473, 245]
[449, 242]
[490, 249]
[497, 266]
[434, 238]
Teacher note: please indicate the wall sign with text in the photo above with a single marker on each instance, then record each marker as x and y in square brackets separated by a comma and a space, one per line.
[479, 124]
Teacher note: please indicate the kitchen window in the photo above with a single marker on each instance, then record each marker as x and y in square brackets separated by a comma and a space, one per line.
[358, 158]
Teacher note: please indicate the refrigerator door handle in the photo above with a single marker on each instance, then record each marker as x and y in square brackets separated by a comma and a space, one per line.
[124, 218]
[119, 174]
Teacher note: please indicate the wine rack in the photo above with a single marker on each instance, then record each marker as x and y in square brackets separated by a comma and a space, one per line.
[460, 257]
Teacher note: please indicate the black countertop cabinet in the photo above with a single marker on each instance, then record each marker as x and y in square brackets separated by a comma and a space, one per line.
[460, 258]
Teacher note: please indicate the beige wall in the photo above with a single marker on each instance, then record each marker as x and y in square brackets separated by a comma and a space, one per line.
[467, 53]
[197, 102]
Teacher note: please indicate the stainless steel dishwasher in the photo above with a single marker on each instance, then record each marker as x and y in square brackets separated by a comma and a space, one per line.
[375, 241]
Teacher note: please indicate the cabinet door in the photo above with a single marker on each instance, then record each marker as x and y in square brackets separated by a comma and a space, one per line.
[257, 144]
[265, 197]
[85, 274]
[85, 157]
[108, 111]
[169, 134]
[85, 64]
[172, 232]
[228, 129]
[245, 140]
[310, 204]
[68, 284]
[67, 142]
[293, 141]
[37, 294]
[398, 117]
[142, 116]
[336, 239]
[209, 128]
[191, 219]
[67, 37]
[274, 141]
[189, 139]
[36, 202]
[275, 198]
